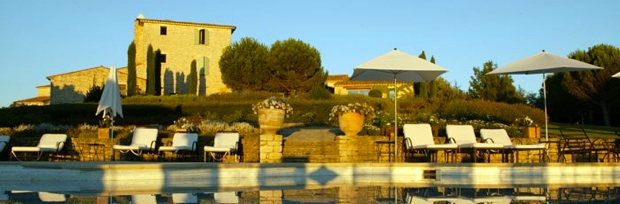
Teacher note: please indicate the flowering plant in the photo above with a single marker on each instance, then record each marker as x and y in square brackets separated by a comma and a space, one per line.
[273, 103]
[525, 121]
[361, 108]
[106, 121]
[186, 124]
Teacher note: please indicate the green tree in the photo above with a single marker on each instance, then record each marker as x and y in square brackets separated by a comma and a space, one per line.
[244, 65]
[150, 71]
[157, 71]
[432, 85]
[497, 88]
[423, 88]
[93, 94]
[131, 70]
[596, 86]
[295, 67]
[193, 79]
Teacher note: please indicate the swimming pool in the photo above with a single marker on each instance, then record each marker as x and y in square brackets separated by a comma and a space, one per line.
[281, 182]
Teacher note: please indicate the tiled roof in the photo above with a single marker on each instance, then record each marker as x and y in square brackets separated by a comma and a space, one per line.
[231, 27]
[38, 99]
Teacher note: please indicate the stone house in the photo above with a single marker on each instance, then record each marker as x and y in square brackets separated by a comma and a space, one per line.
[42, 98]
[180, 44]
[341, 85]
[72, 87]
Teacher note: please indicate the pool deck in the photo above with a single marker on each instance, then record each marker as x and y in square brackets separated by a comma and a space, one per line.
[125, 177]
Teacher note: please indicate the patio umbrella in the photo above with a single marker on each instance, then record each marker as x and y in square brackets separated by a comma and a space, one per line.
[617, 75]
[110, 102]
[398, 66]
[543, 63]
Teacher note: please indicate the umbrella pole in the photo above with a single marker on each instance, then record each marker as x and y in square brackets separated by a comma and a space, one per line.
[395, 120]
[546, 119]
[111, 140]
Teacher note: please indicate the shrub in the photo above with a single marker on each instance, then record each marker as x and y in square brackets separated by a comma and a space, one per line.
[319, 93]
[375, 93]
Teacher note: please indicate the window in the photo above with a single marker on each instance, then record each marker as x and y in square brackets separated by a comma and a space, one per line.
[162, 58]
[163, 30]
[359, 91]
[201, 37]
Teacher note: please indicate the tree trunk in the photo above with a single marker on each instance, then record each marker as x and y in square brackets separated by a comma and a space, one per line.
[605, 111]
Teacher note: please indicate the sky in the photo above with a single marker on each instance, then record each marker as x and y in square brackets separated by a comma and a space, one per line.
[43, 38]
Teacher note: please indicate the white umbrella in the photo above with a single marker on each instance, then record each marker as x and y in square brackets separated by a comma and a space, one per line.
[110, 102]
[617, 75]
[398, 66]
[543, 63]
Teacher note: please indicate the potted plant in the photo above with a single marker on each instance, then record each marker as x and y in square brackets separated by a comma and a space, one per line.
[185, 125]
[271, 113]
[351, 116]
[103, 132]
[529, 128]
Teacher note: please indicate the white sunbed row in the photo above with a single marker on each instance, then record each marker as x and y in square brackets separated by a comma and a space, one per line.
[143, 140]
[461, 139]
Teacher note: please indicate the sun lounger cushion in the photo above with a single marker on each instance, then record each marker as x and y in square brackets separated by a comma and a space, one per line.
[465, 137]
[223, 142]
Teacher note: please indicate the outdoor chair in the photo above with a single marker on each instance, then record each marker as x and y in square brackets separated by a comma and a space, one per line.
[465, 137]
[143, 140]
[500, 136]
[182, 144]
[419, 139]
[576, 143]
[47, 145]
[224, 144]
[4, 142]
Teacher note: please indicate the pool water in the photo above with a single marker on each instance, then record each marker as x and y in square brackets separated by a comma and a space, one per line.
[361, 194]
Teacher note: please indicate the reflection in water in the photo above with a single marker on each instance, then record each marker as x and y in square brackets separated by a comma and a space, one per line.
[364, 194]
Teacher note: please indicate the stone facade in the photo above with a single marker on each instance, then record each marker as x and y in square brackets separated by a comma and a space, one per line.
[72, 87]
[182, 43]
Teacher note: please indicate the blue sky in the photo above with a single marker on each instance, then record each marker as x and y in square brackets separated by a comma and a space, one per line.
[43, 38]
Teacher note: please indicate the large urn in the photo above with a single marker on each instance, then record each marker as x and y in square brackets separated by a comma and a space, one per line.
[270, 120]
[351, 123]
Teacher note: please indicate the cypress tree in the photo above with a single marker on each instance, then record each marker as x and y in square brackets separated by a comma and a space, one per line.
[157, 71]
[423, 86]
[432, 92]
[193, 79]
[131, 69]
[150, 71]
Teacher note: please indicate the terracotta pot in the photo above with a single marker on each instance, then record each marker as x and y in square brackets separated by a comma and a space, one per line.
[103, 133]
[351, 123]
[531, 132]
[270, 120]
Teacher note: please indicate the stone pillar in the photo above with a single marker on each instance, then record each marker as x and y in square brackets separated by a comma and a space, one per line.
[270, 148]
[271, 197]
[347, 148]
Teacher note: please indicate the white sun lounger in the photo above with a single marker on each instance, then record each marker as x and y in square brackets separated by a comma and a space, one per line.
[465, 137]
[181, 143]
[224, 144]
[419, 138]
[48, 144]
[4, 142]
[143, 140]
[500, 136]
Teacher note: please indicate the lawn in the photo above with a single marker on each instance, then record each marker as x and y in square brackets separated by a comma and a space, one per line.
[576, 130]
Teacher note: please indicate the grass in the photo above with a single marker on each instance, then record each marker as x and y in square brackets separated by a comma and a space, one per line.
[575, 130]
